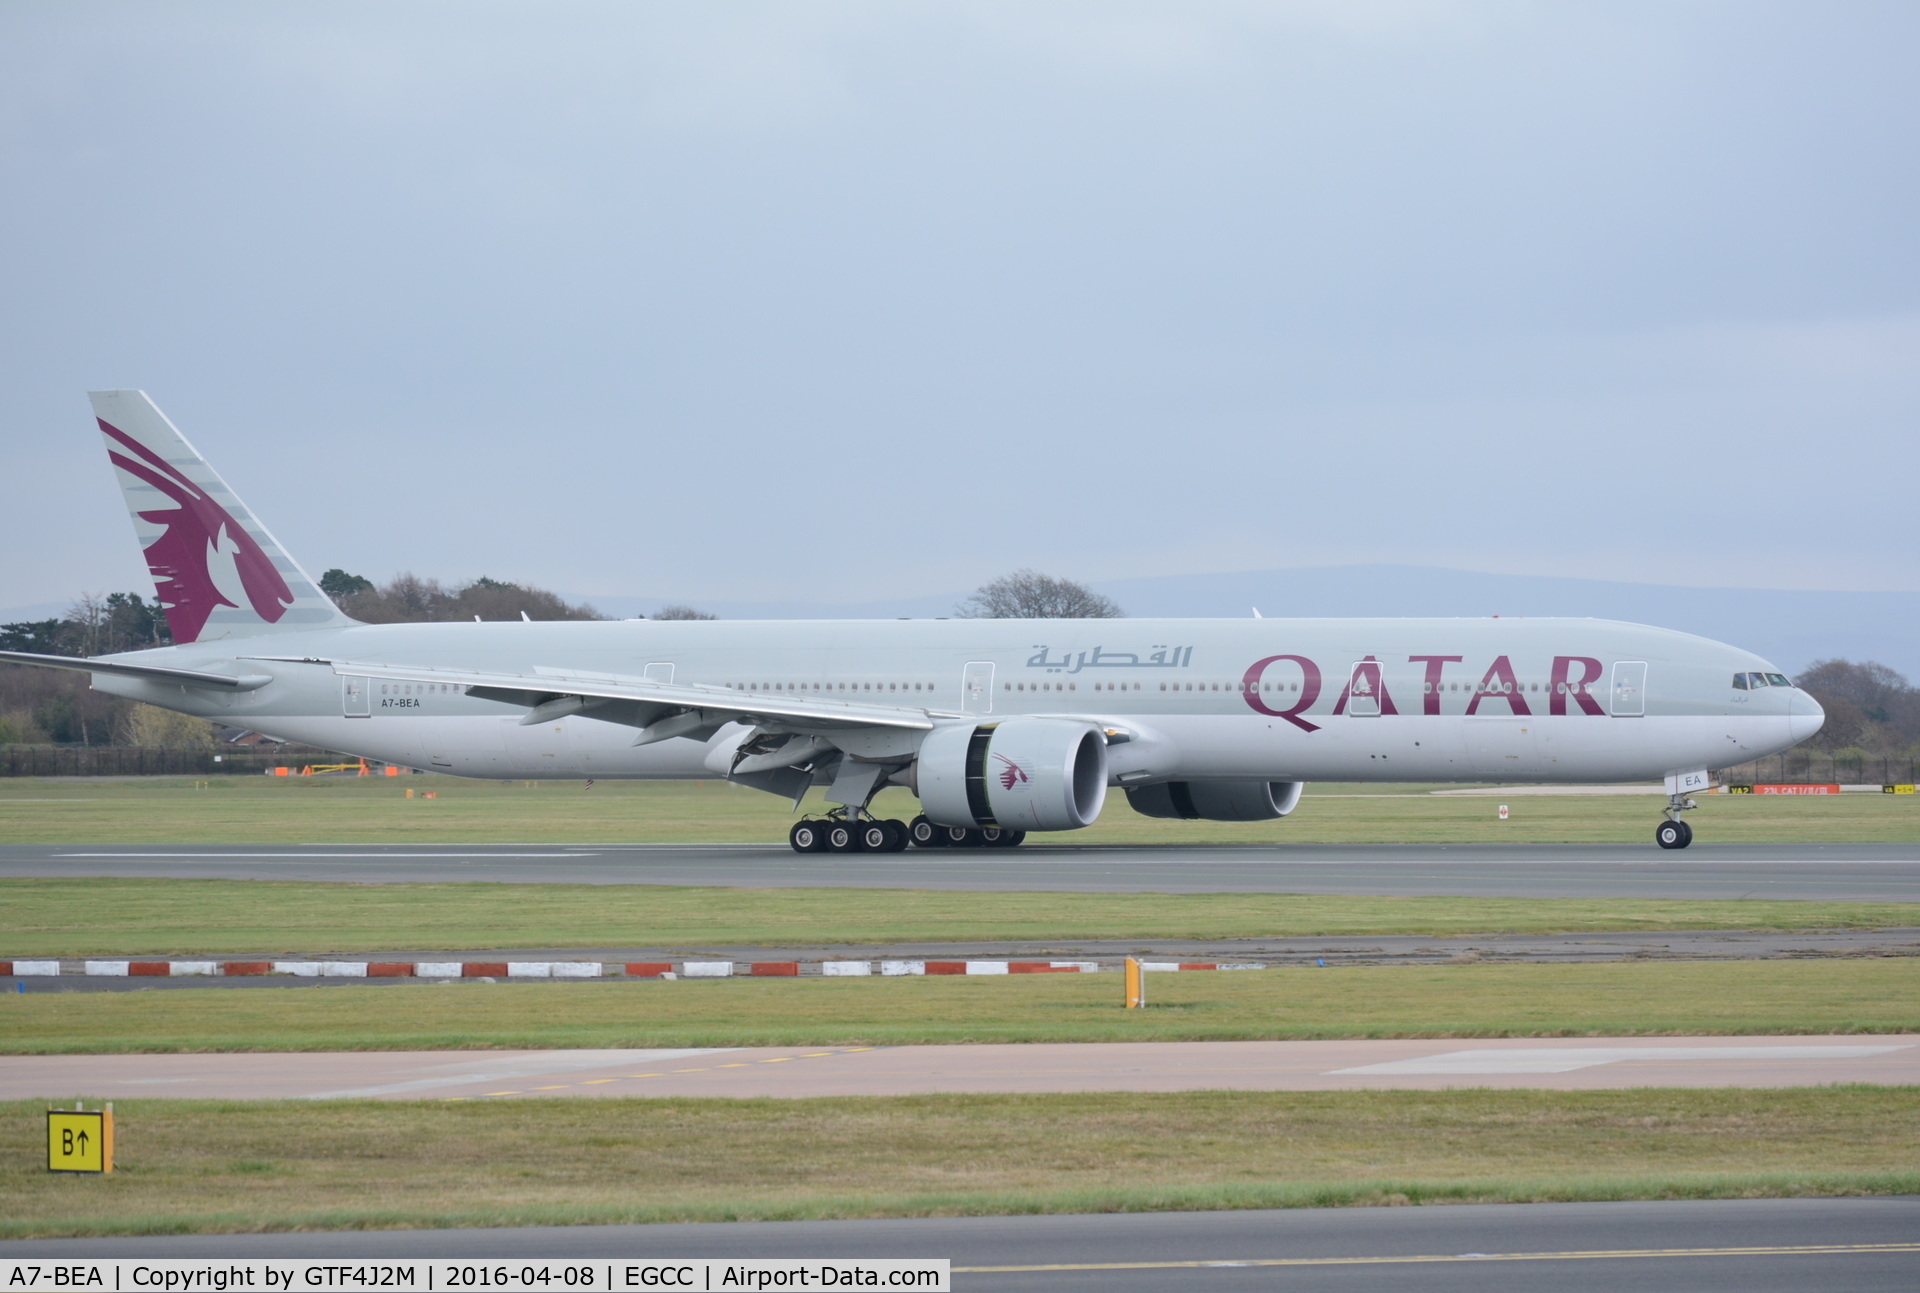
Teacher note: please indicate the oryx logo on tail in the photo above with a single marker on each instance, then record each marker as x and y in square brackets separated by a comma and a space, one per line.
[203, 558]
[218, 572]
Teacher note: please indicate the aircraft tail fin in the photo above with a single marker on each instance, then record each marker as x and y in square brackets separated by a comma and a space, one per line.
[217, 571]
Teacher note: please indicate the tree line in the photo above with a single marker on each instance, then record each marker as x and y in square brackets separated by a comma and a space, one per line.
[1870, 708]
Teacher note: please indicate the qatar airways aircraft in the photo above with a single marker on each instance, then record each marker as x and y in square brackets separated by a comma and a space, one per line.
[999, 726]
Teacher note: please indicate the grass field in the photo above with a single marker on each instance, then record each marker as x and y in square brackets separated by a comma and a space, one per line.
[271, 810]
[269, 1165]
[206, 1166]
[101, 916]
[1468, 1000]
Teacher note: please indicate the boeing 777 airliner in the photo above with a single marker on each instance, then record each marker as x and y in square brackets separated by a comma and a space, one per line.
[1001, 727]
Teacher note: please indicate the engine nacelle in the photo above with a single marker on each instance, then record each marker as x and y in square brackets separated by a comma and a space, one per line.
[1023, 774]
[1217, 801]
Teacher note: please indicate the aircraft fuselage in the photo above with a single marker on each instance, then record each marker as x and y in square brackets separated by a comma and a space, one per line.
[1562, 700]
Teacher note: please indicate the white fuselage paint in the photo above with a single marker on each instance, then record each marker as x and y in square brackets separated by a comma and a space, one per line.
[1181, 688]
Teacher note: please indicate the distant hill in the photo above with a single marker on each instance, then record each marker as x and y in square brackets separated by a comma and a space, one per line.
[1791, 628]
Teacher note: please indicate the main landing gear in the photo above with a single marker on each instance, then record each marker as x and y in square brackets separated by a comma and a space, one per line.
[926, 835]
[870, 835]
[838, 835]
[1674, 833]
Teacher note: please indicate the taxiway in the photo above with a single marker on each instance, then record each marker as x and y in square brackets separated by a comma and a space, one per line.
[1585, 1063]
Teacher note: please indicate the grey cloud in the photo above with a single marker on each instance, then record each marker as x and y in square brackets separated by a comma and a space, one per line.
[732, 301]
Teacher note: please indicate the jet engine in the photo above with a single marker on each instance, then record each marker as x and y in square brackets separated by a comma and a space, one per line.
[1023, 774]
[1217, 801]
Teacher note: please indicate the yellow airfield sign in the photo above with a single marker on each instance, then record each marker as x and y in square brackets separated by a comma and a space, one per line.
[79, 1140]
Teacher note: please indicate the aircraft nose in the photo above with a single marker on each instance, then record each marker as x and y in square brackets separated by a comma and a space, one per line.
[1804, 717]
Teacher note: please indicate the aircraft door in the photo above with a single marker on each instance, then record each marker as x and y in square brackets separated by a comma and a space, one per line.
[976, 687]
[661, 672]
[1628, 698]
[356, 696]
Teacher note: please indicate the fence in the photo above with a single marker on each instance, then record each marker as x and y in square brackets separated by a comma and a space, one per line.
[1815, 766]
[142, 761]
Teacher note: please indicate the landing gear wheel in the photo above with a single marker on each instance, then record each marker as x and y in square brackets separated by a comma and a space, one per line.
[842, 838]
[1673, 835]
[925, 835]
[807, 837]
[874, 837]
[897, 838]
[1008, 840]
[961, 837]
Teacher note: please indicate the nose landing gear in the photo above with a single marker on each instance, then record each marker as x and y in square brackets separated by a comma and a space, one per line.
[1674, 833]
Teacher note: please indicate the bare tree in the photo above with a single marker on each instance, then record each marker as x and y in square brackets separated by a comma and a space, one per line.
[1030, 595]
[1869, 706]
[87, 625]
[680, 611]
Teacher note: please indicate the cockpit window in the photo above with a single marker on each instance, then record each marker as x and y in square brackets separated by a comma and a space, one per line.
[1740, 681]
[1778, 680]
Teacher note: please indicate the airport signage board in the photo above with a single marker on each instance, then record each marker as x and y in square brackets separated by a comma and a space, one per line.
[80, 1140]
[350, 1275]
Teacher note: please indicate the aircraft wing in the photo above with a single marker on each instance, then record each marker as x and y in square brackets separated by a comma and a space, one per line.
[640, 702]
[150, 672]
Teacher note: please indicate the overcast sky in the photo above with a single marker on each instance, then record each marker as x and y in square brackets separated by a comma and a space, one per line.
[847, 300]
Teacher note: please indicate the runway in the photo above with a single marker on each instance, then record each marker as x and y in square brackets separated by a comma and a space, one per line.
[1824, 872]
[1722, 1246]
[796, 1072]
